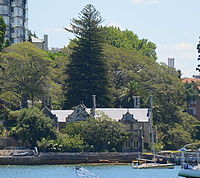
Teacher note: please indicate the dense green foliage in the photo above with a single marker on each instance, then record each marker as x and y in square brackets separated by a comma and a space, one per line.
[26, 72]
[30, 74]
[133, 74]
[87, 71]
[115, 65]
[100, 134]
[191, 92]
[128, 40]
[58, 76]
[30, 125]
[63, 143]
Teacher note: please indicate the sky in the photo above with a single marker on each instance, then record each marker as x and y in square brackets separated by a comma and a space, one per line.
[173, 25]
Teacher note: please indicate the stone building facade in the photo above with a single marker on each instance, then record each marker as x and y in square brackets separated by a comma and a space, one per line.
[136, 120]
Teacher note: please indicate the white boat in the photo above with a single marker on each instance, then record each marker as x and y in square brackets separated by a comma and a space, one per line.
[189, 171]
[146, 164]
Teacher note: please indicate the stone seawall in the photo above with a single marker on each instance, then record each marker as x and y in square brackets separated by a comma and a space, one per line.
[68, 158]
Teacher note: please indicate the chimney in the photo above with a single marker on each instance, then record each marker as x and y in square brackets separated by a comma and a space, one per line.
[94, 105]
[94, 101]
[46, 42]
[171, 62]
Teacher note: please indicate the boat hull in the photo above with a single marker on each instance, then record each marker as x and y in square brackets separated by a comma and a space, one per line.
[154, 166]
[189, 173]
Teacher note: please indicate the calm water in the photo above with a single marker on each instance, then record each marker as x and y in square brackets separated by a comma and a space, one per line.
[68, 172]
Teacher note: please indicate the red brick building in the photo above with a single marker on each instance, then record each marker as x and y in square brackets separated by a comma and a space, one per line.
[194, 105]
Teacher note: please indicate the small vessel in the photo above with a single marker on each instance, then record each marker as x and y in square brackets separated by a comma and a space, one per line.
[189, 171]
[147, 164]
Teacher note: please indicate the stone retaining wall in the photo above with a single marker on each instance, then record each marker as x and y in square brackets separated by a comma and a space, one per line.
[68, 158]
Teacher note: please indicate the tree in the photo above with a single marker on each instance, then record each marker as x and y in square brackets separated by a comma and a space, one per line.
[59, 61]
[127, 96]
[128, 40]
[191, 92]
[30, 125]
[132, 73]
[178, 132]
[63, 143]
[100, 134]
[2, 32]
[176, 138]
[87, 70]
[26, 73]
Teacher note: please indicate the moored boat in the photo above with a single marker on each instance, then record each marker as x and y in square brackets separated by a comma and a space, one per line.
[148, 164]
[189, 171]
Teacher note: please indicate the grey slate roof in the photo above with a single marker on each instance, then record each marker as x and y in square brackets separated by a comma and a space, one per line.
[36, 40]
[140, 114]
[62, 114]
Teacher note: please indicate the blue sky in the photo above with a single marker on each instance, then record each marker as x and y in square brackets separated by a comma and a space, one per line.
[172, 24]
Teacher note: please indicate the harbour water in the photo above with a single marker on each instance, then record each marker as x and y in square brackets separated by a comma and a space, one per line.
[107, 171]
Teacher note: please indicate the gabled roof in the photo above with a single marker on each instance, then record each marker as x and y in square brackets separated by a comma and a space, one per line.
[192, 80]
[140, 114]
[36, 40]
[62, 114]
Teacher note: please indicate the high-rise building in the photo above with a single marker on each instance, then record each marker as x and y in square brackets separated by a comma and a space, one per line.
[171, 62]
[15, 15]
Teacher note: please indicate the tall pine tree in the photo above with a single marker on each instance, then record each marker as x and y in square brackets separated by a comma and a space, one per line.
[87, 70]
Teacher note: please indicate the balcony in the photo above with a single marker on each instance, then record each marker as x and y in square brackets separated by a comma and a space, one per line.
[16, 4]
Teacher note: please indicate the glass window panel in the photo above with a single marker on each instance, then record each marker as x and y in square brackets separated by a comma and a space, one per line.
[4, 9]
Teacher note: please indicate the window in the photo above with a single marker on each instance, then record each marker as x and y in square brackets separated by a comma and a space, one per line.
[16, 11]
[17, 32]
[17, 22]
[135, 144]
[3, 1]
[193, 101]
[4, 9]
[192, 111]
[16, 3]
[128, 144]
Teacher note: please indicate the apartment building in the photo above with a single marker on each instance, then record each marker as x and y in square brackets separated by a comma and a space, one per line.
[15, 15]
[194, 103]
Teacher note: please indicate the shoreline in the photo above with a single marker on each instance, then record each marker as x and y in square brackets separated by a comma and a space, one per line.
[70, 159]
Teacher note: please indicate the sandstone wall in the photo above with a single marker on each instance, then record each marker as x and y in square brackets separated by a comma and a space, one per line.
[68, 158]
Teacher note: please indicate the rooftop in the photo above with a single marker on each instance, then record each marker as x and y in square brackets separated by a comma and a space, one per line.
[140, 114]
[190, 80]
[36, 40]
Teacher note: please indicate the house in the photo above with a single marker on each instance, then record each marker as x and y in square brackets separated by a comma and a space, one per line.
[194, 104]
[40, 43]
[136, 120]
